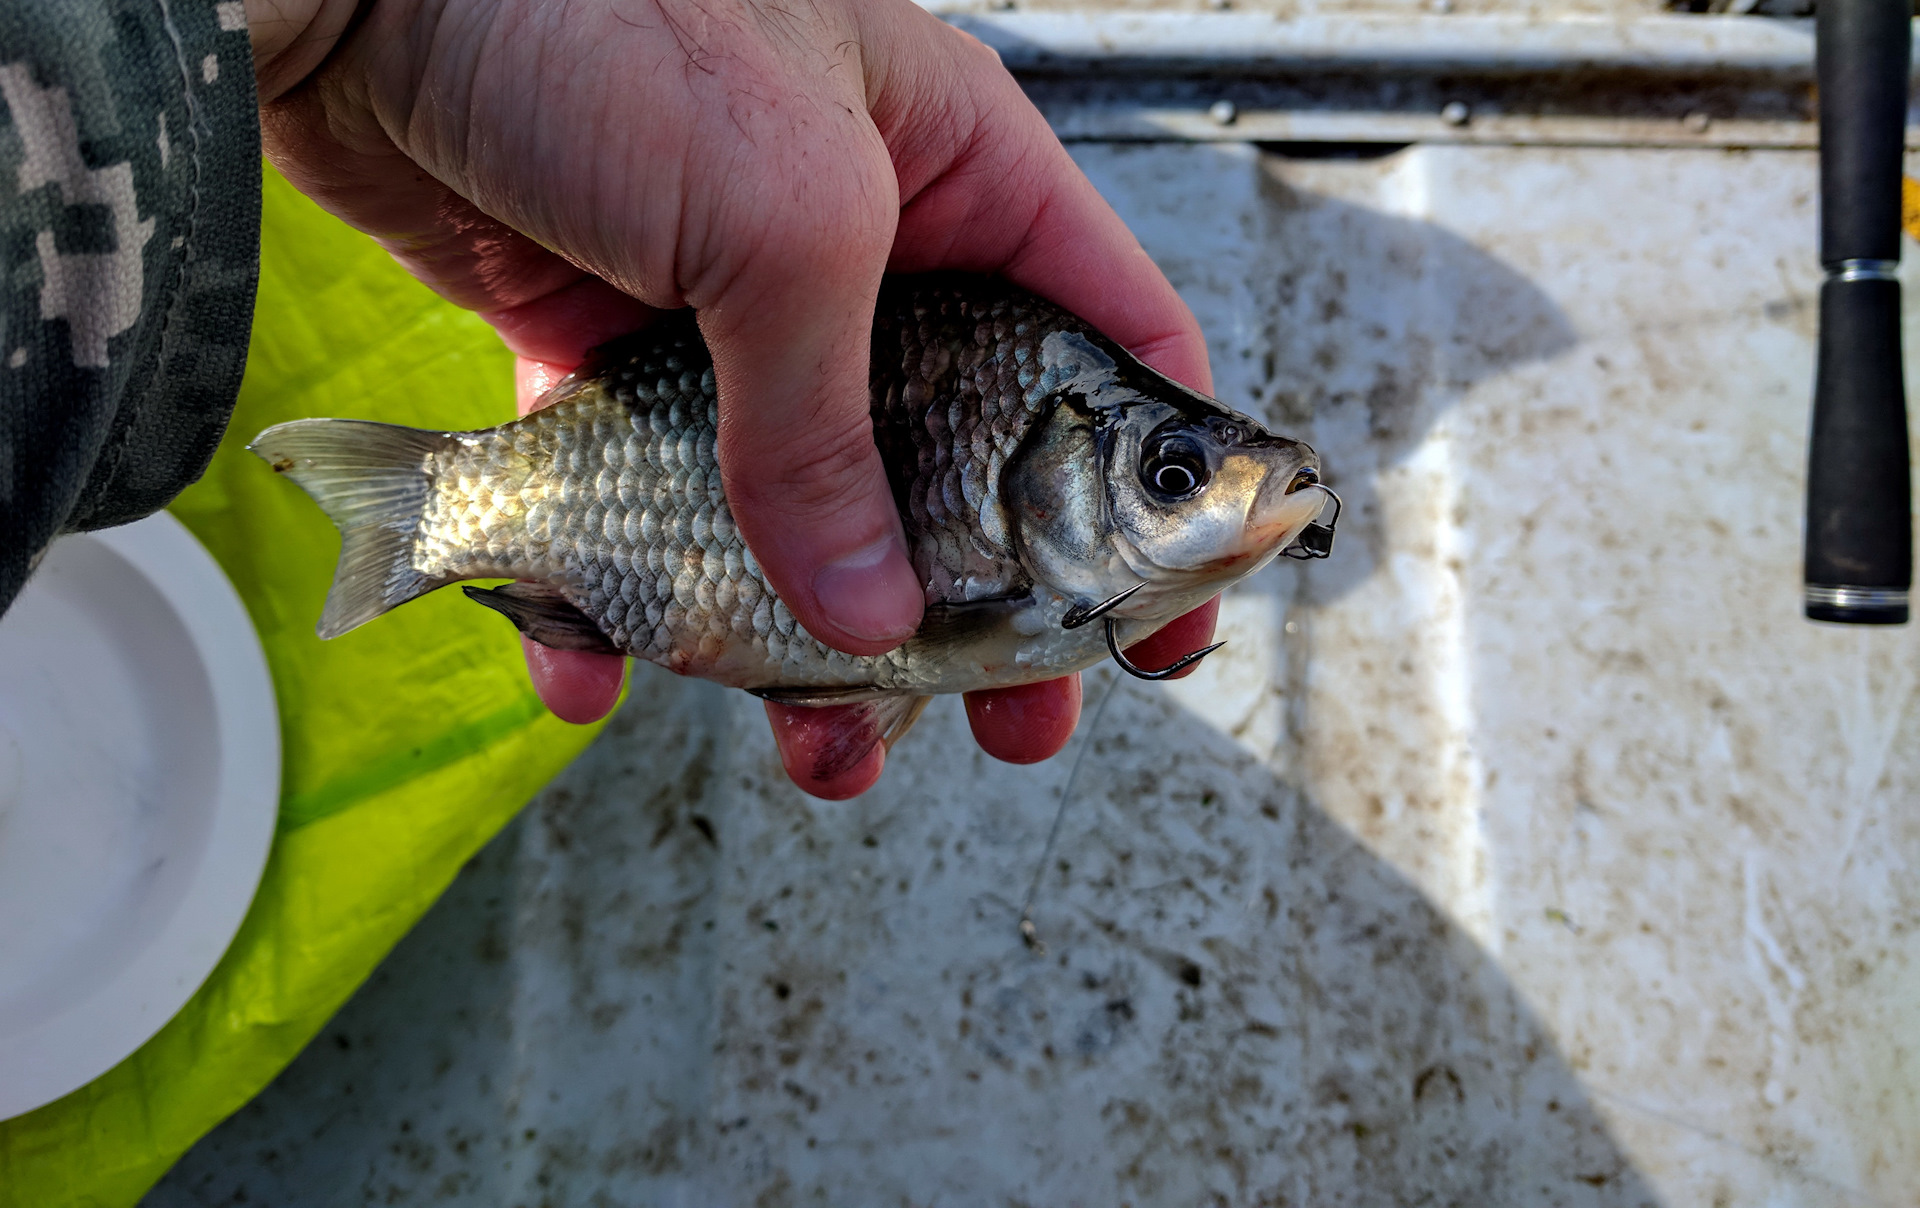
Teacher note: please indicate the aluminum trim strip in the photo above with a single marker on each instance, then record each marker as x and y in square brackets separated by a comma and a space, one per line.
[1840, 596]
[1239, 42]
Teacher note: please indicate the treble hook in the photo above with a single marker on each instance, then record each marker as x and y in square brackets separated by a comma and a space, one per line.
[1316, 540]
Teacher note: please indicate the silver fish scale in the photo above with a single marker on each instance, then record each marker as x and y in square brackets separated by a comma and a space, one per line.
[956, 384]
[613, 493]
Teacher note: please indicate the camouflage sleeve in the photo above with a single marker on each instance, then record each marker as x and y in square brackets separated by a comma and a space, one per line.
[129, 233]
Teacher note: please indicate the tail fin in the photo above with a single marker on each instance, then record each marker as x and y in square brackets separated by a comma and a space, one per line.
[371, 480]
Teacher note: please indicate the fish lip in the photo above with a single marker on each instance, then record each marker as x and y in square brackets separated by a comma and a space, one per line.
[1277, 489]
[1276, 500]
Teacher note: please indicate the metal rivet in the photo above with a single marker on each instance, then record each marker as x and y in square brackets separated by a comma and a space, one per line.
[1224, 112]
[1455, 113]
[1697, 121]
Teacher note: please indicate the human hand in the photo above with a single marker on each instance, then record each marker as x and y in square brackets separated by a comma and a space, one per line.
[563, 168]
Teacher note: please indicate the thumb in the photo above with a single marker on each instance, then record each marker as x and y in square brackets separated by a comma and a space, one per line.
[790, 339]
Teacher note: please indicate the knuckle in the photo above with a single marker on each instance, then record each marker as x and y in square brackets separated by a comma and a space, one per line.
[826, 231]
[978, 61]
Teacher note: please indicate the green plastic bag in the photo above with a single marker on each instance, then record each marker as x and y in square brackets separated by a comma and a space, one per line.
[407, 743]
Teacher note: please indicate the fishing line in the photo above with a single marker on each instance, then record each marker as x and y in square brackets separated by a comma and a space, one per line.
[1029, 934]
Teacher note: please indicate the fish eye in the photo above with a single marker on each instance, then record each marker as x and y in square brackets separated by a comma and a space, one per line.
[1305, 478]
[1174, 468]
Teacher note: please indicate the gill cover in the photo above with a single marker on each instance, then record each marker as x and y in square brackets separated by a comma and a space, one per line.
[1054, 483]
[1130, 477]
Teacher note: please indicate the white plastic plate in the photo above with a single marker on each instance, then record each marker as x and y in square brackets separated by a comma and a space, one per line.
[139, 781]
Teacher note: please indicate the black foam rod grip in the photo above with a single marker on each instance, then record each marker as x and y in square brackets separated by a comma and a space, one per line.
[1859, 552]
[1862, 50]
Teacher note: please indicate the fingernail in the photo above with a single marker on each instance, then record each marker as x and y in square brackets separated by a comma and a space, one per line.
[872, 594]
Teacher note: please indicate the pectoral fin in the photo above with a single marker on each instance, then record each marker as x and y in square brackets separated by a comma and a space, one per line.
[955, 626]
[542, 613]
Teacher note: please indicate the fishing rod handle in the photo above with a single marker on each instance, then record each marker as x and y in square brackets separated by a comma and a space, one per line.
[1859, 535]
[1859, 551]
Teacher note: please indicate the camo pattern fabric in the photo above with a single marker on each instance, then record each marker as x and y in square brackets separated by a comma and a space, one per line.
[129, 236]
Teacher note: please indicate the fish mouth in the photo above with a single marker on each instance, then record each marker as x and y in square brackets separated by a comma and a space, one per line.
[1286, 506]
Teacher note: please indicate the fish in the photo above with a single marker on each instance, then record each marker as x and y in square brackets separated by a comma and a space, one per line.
[1046, 480]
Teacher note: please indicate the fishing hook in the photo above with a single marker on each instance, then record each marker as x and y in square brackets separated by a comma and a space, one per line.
[1080, 614]
[1181, 664]
[1316, 540]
